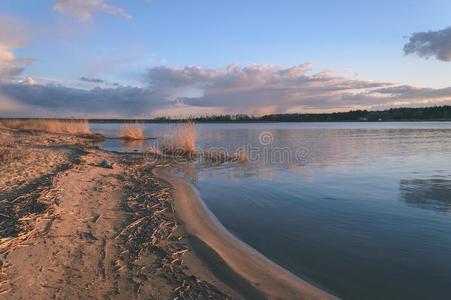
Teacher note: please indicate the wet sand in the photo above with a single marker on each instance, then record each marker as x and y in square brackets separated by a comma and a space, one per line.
[246, 270]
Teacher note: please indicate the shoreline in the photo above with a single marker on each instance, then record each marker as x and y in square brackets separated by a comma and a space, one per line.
[79, 221]
[262, 277]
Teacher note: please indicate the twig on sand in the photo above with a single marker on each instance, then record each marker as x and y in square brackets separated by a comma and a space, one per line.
[21, 213]
[151, 229]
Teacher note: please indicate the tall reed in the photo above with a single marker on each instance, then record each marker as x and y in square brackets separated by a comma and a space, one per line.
[181, 139]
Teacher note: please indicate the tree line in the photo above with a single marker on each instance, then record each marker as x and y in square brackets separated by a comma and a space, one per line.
[438, 113]
[432, 113]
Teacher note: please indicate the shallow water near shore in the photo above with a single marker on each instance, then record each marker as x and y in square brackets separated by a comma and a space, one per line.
[359, 209]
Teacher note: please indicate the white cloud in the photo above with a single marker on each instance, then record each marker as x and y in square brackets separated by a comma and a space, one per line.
[13, 35]
[85, 9]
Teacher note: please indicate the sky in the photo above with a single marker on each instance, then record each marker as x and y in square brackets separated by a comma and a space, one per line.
[147, 58]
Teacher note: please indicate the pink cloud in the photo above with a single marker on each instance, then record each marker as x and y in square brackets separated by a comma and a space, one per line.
[85, 9]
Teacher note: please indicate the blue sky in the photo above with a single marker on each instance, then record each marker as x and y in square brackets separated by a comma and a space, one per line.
[123, 40]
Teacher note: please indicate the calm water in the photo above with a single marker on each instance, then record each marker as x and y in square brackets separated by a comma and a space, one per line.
[363, 211]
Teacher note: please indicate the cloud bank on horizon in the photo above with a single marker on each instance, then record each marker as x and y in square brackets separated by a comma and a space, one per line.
[175, 91]
[254, 89]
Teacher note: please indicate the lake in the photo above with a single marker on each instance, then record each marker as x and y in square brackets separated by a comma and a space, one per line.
[361, 210]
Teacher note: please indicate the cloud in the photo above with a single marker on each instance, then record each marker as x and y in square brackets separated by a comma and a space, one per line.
[407, 92]
[57, 100]
[9, 107]
[13, 34]
[93, 80]
[98, 82]
[429, 44]
[254, 89]
[257, 88]
[269, 89]
[85, 9]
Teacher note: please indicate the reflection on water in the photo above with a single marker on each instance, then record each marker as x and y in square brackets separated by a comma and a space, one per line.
[357, 215]
[132, 144]
[334, 217]
[434, 194]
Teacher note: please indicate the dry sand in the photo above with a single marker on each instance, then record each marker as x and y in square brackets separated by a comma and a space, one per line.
[72, 228]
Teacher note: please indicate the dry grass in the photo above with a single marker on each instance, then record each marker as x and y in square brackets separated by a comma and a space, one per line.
[70, 126]
[131, 132]
[8, 150]
[181, 140]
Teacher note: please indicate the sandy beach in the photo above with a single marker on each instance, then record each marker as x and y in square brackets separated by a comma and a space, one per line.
[80, 222]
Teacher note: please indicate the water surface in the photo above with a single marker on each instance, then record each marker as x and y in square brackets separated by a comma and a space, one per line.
[363, 211]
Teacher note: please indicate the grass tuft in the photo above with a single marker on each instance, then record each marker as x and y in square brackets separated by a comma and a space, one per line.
[131, 132]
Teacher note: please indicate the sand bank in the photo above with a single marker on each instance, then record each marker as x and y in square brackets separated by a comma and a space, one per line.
[236, 263]
[73, 227]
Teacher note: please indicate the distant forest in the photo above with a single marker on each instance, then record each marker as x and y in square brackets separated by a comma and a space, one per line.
[434, 113]
[439, 113]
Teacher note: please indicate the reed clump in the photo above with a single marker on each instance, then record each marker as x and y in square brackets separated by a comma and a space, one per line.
[69, 126]
[215, 155]
[131, 132]
[242, 155]
[181, 140]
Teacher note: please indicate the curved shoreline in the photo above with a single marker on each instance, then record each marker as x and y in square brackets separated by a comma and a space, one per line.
[263, 278]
